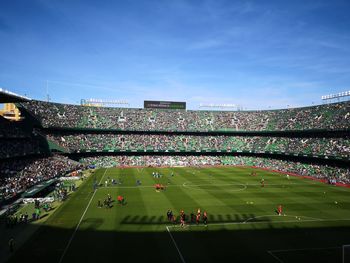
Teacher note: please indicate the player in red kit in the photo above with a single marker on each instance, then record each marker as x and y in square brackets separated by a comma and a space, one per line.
[198, 217]
[182, 219]
[279, 210]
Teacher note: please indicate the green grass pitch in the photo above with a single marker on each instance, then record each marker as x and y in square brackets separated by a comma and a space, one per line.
[242, 223]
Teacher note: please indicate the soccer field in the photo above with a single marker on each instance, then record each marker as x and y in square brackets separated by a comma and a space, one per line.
[243, 225]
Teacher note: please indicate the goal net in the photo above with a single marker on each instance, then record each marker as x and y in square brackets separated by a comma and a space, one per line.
[346, 253]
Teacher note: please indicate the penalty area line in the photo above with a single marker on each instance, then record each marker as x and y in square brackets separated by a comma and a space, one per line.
[81, 219]
[177, 248]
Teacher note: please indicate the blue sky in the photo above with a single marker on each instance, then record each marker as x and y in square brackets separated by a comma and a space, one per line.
[257, 54]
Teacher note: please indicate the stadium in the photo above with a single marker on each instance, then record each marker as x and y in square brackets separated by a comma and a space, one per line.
[272, 184]
[175, 131]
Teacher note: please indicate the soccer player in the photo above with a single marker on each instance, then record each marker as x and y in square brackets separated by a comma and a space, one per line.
[173, 219]
[182, 219]
[279, 210]
[193, 219]
[205, 218]
[119, 198]
[169, 215]
[262, 182]
[198, 218]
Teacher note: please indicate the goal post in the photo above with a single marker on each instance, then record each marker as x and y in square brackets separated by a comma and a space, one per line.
[346, 253]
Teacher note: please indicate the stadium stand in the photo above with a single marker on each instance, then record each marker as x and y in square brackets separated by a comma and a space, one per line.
[18, 175]
[329, 117]
[337, 147]
[10, 130]
[17, 140]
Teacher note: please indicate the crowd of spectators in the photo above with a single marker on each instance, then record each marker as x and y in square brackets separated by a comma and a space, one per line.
[329, 173]
[11, 130]
[150, 160]
[17, 176]
[170, 142]
[327, 116]
[16, 147]
[17, 141]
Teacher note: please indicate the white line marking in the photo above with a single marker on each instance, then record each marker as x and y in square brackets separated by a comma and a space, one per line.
[271, 252]
[81, 219]
[252, 218]
[174, 242]
[277, 258]
[302, 249]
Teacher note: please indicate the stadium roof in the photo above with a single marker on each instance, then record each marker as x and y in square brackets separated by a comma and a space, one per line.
[8, 96]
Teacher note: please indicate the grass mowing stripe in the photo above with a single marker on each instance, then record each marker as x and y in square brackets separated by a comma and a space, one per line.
[138, 233]
[81, 219]
[180, 194]
[220, 196]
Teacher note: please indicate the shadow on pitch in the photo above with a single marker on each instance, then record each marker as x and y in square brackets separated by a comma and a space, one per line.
[216, 219]
[239, 245]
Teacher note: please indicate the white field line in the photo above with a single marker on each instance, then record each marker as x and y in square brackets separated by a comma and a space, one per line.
[177, 248]
[275, 257]
[271, 252]
[265, 222]
[252, 218]
[301, 249]
[81, 219]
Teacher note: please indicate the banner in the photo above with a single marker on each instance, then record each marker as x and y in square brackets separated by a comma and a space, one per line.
[41, 200]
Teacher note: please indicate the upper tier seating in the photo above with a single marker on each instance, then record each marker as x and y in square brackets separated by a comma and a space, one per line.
[329, 116]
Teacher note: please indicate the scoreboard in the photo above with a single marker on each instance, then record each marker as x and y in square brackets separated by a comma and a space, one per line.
[173, 105]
